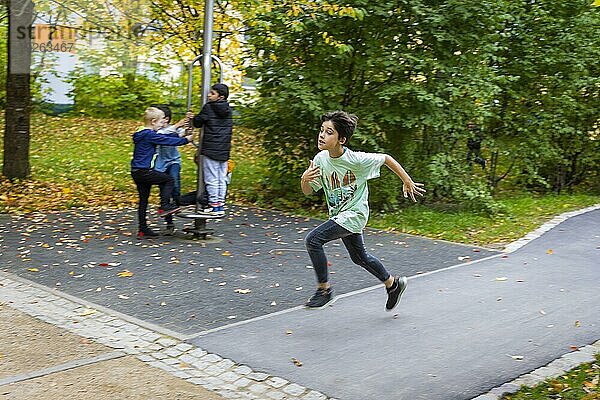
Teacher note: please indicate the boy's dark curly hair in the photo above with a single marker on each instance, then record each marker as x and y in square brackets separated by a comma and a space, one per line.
[343, 122]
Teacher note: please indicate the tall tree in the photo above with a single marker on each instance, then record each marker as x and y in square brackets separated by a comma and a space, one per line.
[18, 98]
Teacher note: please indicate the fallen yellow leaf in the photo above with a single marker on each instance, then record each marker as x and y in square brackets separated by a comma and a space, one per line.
[589, 385]
[296, 362]
[33, 270]
[125, 274]
[549, 251]
[87, 312]
[226, 253]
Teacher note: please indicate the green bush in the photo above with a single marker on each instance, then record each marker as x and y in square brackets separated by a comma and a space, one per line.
[452, 181]
[116, 96]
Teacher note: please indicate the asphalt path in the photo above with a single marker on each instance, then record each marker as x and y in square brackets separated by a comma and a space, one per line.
[457, 333]
[254, 265]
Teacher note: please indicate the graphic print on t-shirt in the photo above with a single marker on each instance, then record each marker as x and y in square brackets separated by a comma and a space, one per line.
[341, 190]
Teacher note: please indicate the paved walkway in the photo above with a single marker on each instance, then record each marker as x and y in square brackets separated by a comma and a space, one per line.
[459, 332]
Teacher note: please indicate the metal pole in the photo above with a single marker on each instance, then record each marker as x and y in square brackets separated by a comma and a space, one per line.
[207, 49]
[200, 224]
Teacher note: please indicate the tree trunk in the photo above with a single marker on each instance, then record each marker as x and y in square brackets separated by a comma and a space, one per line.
[18, 97]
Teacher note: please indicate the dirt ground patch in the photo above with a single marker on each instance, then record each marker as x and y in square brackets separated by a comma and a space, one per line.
[27, 345]
[122, 378]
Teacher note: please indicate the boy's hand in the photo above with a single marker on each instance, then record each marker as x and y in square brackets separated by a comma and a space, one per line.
[410, 188]
[189, 138]
[312, 172]
[181, 123]
[189, 115]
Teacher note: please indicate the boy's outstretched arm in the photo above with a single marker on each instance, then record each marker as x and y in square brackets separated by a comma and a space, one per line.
[311, 173]
[409, 188]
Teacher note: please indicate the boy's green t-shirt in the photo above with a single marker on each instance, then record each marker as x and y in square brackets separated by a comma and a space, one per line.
[344, 181]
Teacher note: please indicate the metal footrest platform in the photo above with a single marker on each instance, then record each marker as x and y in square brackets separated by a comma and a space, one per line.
[199, 215]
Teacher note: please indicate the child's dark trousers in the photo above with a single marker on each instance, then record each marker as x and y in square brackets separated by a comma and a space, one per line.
[330, 230]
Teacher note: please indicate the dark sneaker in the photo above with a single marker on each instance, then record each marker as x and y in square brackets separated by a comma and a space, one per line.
[168, 210]
[320, 299]
[146, 233]
[395, 292]
[169, 230]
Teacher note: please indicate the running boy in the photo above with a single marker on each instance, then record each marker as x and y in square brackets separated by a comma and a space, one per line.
[216, 118]
[144, 176]
[343, 175]
[168, 160]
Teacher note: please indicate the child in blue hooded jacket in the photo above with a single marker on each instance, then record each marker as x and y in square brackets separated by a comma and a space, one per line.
[143, 173]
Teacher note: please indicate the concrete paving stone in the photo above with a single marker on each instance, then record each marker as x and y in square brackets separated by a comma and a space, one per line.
[229, 376]
[166, 342]
[172, 352]
[555, 370]
[242, 370]
[228, 387]
[229, 394]
[214, 370]
[579, 357]
[258, 388]
[275, 395]
[226, 363]
[314, 395]
[486, 396]
[106, 319]
[181, 374]
[211, 358]
[250, 396]
[158, 364]
[171, 361]
[559, 365]
[198, 381]
[198, 353]
[276, 382]
[258, 376]
[213, 382]
[508, 387]
[242, 382]
[186, 358]
[589, 349]
[159, 355]
[184, 347]
[151, 336]
[146, 358]
[526, 380]
[545, 372]
[201, 364]
[154, 347]
[197, 373]
[294, 389]
[131, 350]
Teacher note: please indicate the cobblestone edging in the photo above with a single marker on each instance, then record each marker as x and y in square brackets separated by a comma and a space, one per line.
[223, 376]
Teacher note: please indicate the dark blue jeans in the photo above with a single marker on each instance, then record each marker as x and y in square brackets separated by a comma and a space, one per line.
[175, 171]
[328, 231]
[144, 179]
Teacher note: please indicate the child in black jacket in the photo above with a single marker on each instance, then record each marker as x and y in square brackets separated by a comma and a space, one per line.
[217, 121]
